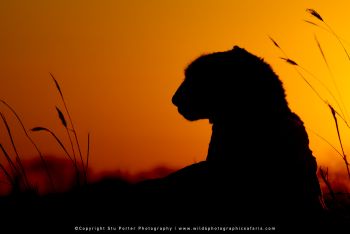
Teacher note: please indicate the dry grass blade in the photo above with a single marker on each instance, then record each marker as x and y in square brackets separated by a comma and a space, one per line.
[278, 46]
[324, 139]
[292, 62]
[38, 129]
[310, 22]
[21, 170]
[288, 60]
[9, 160]
[71, 124]
[342, 45]
[340, 42]
[327, 29]
[87, 157]
[307, 82]
[33, 143]
[314, 13]
[57, 85]
[318, 16]
[7, 174]
[64, 123]
[274, 42]
[340, 141]
[344, 114]
[341, 117]
[317, 25]
[321, 51]
[324, 176]
[61, 116]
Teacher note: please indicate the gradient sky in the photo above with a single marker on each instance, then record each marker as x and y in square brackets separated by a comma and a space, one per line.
[119, 63]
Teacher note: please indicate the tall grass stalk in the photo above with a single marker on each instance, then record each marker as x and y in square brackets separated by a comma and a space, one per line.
[7, 174]
[64, 123]
[345, 115]
[9, 160]
[41, 156]
[295, 64]
[72, 125]
[316, 15]
[324, 177]
[325, 140]
[292, 62]
[21, 171]
[331, 108]
[38, 129]
[333, 111]
[340, 141]
[12, 167]
[87, 157]
[330, 30]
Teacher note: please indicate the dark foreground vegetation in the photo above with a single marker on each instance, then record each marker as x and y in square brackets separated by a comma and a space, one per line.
[192, 196]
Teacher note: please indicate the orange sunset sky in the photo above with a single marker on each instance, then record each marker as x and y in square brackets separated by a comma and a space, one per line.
[120, 61]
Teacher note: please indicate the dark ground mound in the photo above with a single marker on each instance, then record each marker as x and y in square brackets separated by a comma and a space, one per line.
[190, 197]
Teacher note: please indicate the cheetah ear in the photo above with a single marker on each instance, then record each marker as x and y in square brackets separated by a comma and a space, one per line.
[239, 50]
[235, 48]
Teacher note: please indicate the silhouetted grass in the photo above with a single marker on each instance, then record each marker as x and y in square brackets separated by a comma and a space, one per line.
[20, 171]
[17, 171]
[326, 141]
[39, 129]
[9, 160]
[334, 113]
[61, 116]
[12, 166]
[295, 64]
[316, 15]
[64, 123]
[343, 113]
[324, 177]
[340, 141]
[87, 155]
[33, 143]
[329, 29]
[338, 205]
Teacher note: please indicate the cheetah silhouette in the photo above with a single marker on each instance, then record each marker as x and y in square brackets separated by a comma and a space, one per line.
[259, 157]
